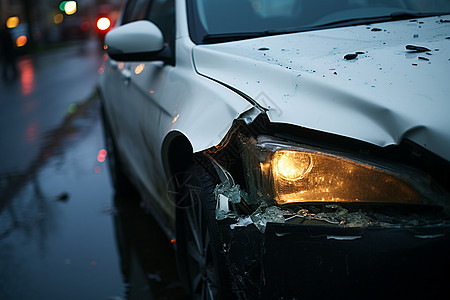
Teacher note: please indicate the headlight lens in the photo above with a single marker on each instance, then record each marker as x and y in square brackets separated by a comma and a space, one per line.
[288, 173]
[291, 165]
[301, 176]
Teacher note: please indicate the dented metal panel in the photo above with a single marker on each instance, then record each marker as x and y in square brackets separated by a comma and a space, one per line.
[384, 94]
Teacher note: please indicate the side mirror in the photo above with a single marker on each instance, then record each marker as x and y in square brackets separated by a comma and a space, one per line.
[136, 41]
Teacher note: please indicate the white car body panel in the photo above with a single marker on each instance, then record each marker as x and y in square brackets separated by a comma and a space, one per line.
[383, 96]
[380, 97]
[166, 100]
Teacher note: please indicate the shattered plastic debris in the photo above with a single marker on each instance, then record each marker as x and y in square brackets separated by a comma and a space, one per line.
[271, 214]
[233, 192]
[343, 237]
[340, 216]
[225, 194]
[433, 236]
[222, 208]
[242, 222]
[261, 217]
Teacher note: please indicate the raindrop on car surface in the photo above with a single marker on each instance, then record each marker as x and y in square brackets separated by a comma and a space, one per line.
[350, 56]
[263, 49]
[416, 48]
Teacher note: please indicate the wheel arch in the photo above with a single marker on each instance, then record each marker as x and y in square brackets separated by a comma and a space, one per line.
[177, 153]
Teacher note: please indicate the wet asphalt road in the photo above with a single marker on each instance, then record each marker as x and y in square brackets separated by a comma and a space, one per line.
[64, 234]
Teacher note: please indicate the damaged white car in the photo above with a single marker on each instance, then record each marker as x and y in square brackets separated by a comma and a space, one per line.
[293, 147]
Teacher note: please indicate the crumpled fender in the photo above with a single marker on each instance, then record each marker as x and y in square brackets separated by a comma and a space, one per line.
[385, 94]
[201, 109]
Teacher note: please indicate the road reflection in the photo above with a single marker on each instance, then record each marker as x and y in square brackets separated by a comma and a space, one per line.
[147, 257]
[63, 232]
[26, 70]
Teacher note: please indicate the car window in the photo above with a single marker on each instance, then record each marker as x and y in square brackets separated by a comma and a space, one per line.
[135, 10]
[162, 13]
[231, 17]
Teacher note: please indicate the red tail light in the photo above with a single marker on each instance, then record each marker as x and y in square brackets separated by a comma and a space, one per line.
[103, 23]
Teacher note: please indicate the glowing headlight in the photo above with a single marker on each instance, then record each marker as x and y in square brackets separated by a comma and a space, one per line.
[291, 165]
[301, 176]
[288, 173]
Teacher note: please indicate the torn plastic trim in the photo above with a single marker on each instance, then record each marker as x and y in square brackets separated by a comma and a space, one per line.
[261, 209]
[223, 174]
[228, 195]
[343, 237]
[332, 216]
[250, 115]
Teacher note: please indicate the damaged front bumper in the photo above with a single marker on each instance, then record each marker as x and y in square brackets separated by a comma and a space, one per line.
[318, 262]
[395, 243]
[337, 254]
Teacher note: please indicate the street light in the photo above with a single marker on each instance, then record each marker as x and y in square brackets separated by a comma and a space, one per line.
[12, 22]
[69, 7]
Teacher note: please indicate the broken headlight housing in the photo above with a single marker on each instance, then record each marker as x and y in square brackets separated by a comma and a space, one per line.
[289, 173]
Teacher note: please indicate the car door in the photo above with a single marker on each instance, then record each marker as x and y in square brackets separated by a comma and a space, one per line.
[142, 93]
[117, 77]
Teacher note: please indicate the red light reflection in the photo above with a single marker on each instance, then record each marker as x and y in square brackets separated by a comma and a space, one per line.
[101, 155]
[26, 76]
[32, 132]
[101, 70]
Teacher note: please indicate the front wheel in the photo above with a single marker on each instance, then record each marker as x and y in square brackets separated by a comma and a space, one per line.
[201, 261]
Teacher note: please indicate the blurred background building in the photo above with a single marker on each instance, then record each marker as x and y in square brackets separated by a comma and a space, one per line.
[38, 23]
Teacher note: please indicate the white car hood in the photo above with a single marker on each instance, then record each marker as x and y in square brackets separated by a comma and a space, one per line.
[383, 96]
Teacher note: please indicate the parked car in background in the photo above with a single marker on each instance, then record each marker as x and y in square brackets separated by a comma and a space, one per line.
[293, 149]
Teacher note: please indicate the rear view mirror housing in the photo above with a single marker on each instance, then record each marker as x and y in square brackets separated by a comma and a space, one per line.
[137, 41]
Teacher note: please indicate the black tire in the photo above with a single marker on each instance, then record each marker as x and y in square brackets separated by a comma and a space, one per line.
[201, 262]
[119, 179]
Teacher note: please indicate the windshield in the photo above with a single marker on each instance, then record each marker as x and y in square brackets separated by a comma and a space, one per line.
[225, 20]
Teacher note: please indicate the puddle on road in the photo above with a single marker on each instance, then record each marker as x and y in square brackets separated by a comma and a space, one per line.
[62, 234]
